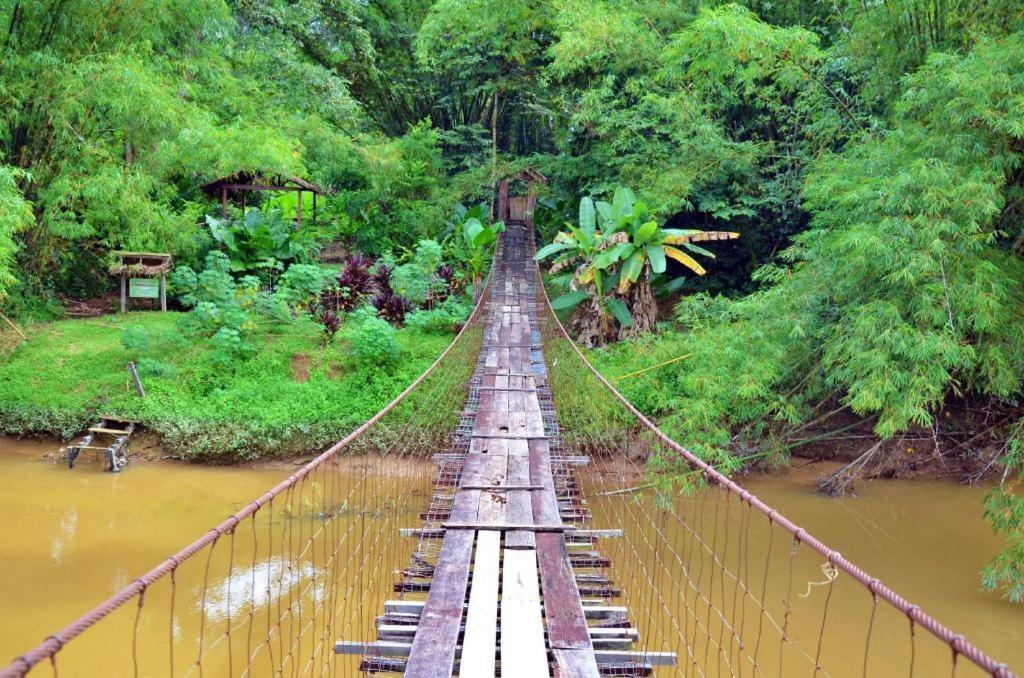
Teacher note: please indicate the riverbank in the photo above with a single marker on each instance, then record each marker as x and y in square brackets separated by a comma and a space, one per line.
[294, 395]
[77, 536]
[747, 424]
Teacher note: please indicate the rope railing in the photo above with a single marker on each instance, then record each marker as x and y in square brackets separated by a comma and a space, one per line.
[711, 572]
[269, 589]
[699, 565]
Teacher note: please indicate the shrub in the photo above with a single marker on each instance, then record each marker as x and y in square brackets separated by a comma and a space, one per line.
[228, 348]
[150, 367]
[447, 317]
[261, 241]
[301, 285]
[352, 284]
[417, 279]
[391, 306]
[372, 339]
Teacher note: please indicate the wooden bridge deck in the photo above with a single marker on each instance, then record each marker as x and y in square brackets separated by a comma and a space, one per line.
[516, 588]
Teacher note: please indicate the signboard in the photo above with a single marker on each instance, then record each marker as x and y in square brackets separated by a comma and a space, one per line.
[144, 288]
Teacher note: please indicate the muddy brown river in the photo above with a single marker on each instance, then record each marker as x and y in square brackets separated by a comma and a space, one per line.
[70, 538]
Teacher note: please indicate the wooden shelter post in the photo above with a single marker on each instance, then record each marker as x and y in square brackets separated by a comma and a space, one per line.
[298, 210]
[223, 202]
[154, 266]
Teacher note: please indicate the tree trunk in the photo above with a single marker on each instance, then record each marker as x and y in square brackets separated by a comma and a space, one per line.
[642, 305]
[494, 156]
[591, 326]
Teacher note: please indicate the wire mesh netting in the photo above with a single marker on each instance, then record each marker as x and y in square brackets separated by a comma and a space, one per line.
[661, 543]
[707, 571]
[269, 590]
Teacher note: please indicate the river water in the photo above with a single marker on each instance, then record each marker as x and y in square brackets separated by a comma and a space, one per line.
[70, 538]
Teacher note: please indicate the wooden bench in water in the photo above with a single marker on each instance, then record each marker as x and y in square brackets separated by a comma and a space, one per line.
[508, 593]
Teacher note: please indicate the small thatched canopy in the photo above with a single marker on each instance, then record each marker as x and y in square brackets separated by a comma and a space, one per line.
[531, 176]
[252, 181]
[239, 182]
[141, 264]
[131, 266]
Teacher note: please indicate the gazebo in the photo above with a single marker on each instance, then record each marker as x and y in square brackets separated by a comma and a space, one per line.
[519, 207]
[235, 186]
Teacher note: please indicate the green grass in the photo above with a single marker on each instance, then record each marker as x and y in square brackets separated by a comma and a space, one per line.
[71, 371]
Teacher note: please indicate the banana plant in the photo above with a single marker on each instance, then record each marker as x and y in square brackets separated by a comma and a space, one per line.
[617, 249]
[480, 238]
[639, 240]
[576, 245]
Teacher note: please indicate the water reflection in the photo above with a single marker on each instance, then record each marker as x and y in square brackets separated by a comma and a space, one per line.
[260, 585]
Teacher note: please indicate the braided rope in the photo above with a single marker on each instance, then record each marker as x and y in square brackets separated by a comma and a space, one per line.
[913, 612]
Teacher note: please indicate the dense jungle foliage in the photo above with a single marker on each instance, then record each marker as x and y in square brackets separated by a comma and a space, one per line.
[868, 154]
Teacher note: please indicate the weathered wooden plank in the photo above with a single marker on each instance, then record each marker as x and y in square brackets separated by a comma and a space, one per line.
[507, 527]
[566, 624]
[523, 652]
[603, 639]
[433, 648]
[481, 634]
[519, 508]
[496, 422]
[497, 488]
[575, 663]
[545, 504]
[604, 657]
[519, 425]
[492, 504]
[591, 610]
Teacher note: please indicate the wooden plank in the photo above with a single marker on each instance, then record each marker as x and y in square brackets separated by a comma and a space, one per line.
[545, 504]
[466, 504]
[481, 635]
[400, 649]
[523, 652]
[496, 424]
[610, 638]
[506, 527]
[502, 488]
[566, 624]
[111, 431]
[575, 663]
[519, 508]
[632, 657]
[492, 504]
[519, 424]
[591, 610]
[433, 648]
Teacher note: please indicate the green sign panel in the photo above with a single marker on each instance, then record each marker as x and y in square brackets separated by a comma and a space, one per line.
[144, 288]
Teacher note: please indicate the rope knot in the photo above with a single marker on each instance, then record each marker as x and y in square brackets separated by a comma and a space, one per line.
[831, 573]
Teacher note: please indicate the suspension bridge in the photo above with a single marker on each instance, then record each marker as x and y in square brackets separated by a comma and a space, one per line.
[497, 519]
